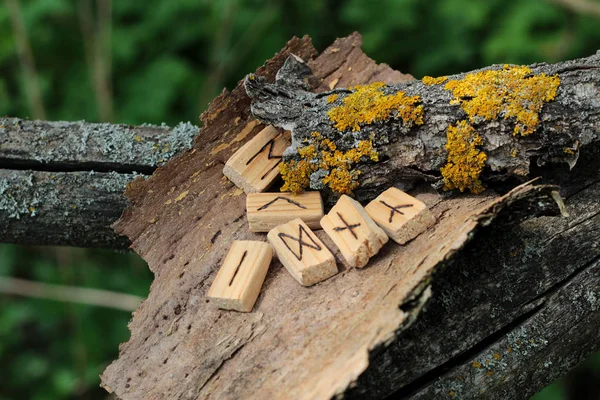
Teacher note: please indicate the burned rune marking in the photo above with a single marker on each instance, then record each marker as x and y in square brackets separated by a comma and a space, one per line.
[238, 267]
[347, 226]
[270, 156]
[395, 210]
[301, 243]
[265, 206]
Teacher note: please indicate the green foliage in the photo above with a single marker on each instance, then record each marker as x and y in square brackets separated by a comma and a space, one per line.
[55, 350]
[167, 60]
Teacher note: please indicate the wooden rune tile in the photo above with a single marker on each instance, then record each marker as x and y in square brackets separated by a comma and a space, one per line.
[302, 253]
[352, 230]
[267, 210]
[400, 215]
[255, 166]
[241, 276]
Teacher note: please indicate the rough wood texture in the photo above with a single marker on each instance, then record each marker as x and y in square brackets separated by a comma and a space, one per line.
[344, 335]
[517, 309]
[547, 269]
[62, 183]
[412, 144]
[67, 146]
[62, 208]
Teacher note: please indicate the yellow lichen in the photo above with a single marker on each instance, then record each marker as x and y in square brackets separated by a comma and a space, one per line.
[323, 154]
[341, 180]
[569, 151]
[295, 175]
[429, 80]
[514, 153]
[511, 92]
[331, 98]
[465, 162]
[368, 104]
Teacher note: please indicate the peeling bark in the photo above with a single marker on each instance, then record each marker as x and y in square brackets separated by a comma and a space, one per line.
[345, 336]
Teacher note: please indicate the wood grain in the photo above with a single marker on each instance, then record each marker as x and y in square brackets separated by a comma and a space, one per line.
[353, 231]
[400, 215]
[254, 167]
[302, 253]
[240, 278]
[265, 211]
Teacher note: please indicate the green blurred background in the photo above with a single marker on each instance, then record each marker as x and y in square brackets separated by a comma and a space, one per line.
[156, 61]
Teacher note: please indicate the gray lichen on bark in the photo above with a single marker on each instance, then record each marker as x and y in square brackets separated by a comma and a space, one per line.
[412, 152]
[95, 144]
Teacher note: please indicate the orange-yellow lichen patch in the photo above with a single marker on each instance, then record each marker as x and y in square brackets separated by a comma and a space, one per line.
[341, 180]
[295, 175]
[511, 92]
[323, 154]
[331, 98]
[368, 104]
[465, 162]
[430, 80]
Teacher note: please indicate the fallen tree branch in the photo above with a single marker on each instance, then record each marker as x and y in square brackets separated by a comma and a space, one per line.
[62, 183]
[457, 131]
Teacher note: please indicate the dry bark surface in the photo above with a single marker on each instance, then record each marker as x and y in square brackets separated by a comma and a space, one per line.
[351, 335]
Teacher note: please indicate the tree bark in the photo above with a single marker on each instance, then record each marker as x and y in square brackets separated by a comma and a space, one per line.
[62, 183]
[497, 300]
[411, 150]
[486, 279]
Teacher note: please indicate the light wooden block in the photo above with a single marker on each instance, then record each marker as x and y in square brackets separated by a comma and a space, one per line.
[400, 215]
[352, 230]
[302, 253]
[267, 210]
[255, 166]
[241, 276]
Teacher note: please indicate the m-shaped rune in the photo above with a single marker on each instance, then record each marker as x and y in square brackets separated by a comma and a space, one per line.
[395, 210]
[347, 226]
[301, 243]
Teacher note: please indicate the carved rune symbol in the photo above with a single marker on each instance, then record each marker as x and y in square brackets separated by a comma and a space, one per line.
[301, 243]
[395, 210]
[349, 227]
[265, 206]
[238, 267]
[270, 156]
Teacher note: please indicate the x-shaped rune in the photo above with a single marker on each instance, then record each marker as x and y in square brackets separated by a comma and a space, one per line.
[349, 227]
[301, 243]
[395, 210]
